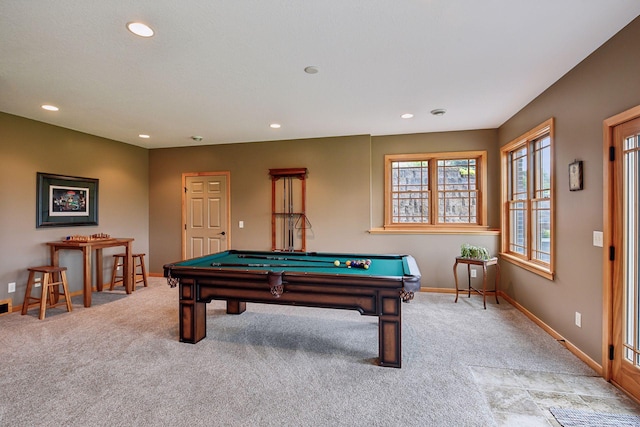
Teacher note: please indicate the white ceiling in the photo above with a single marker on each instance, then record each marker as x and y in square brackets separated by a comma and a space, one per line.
[226, 69]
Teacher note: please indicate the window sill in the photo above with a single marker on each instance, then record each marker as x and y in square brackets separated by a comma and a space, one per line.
[437, 230]
[528, 265]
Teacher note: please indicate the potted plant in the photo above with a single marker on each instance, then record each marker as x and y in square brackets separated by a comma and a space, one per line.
[474, 252]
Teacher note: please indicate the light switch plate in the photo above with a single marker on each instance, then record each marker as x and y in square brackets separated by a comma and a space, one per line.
[598, 239]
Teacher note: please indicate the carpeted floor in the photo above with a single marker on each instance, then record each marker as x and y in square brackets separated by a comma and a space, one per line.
[119, 363]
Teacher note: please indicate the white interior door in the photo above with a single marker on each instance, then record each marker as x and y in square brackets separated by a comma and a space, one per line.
[206, 214]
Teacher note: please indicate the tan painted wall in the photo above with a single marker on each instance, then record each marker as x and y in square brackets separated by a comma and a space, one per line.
[604, 84]
[336, 167]
[27, 147]
[344, 195]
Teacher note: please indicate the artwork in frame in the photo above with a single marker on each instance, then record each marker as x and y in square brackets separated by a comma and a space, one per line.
[575, 175]
[66, 201]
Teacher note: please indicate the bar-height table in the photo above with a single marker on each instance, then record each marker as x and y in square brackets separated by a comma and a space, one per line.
[87, 248]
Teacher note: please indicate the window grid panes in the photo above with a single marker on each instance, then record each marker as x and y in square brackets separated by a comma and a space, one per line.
[410, 192]
[518, 241]
[518, 229]
[527, 184]
[457, 191]
[435, 189]
[541, 201]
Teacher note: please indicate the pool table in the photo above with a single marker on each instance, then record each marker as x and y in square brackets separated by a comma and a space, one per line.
[310, 279]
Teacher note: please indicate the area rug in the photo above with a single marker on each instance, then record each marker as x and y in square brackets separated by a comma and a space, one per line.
[580, 418]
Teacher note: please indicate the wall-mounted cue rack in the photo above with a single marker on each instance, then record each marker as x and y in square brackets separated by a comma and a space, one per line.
[289, 221]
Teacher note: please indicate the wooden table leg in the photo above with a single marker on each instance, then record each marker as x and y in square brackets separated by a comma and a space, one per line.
[55, 258]
[55, 261]
[390, 331]
[99, 272]
[86, 275]
[192, 313]
[497, 281]
[484, 284]
[128, 270]
[235, 306]
[455, 276]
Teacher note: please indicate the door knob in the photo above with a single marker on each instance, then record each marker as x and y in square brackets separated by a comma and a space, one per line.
[222, 234]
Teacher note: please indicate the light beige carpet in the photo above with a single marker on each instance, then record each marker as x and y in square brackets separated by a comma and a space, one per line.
[119, 363]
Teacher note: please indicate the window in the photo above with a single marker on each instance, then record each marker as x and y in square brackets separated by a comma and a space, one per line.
[527, 200]
[436, 190]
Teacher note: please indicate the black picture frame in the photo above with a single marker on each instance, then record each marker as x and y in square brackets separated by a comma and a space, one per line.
[66, 201]
[575, 176]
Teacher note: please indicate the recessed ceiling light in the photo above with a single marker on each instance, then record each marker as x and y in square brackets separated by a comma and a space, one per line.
[197, 138]
[274, 125]
[50, 107]
[438, 112]
[407, 116]
[311, 69]
[140, 29]
[142, 135]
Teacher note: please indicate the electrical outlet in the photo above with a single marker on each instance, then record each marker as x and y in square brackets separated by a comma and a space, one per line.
[12, 287]
[473, 272]
[578, 320]
[38, 282]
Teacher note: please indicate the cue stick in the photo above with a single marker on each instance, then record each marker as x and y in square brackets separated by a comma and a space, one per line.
[284, 217]
[285, 207]
[232, 264]
[282, 258]
[290, 227]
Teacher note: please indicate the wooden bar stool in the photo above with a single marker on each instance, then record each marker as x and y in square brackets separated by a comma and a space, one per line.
[139, 270]
[50, 288]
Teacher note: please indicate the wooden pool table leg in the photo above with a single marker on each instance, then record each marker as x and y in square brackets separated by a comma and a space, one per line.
[236, 307]
[389, 331]
[193, 314]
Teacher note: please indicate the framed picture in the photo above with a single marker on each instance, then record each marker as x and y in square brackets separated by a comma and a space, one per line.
[575, 175]
[66, 201]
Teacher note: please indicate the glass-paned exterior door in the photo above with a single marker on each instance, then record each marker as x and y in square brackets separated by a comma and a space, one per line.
[631, 242]
[624, 256]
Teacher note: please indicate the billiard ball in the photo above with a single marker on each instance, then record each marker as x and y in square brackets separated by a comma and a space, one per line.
[336, 263]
